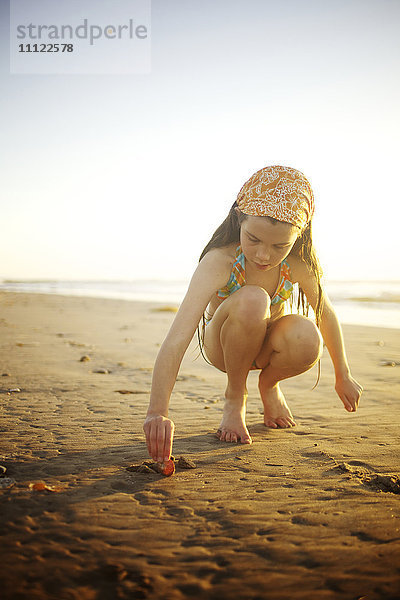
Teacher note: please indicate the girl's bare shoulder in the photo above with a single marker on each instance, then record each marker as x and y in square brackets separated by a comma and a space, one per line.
[223, 257]
[215, 267]
[299, 270]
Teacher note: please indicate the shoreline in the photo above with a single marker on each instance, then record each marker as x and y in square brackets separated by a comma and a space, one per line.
[173, 303]
[301, 513]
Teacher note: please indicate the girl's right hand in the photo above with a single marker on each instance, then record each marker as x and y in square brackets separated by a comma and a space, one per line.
[159, 432]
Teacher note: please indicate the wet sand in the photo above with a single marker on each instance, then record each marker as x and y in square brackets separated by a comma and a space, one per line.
[311, 512]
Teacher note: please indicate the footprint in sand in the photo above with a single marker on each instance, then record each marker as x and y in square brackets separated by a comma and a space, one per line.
[376, 481]
[383, 483]
[130, 392]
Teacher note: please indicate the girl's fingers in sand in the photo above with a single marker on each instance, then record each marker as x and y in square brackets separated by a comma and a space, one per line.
[153, 442]
[148, 447]
[169, 434]
[348, 405]
[164, 440]
[349, 391]
[159, 432]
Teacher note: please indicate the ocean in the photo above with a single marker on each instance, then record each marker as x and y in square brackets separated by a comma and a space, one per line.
[374, 303]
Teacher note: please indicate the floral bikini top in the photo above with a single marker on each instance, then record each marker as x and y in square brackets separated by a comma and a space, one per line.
[238, 280]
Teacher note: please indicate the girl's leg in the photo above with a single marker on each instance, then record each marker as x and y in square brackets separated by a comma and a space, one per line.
[292, 346]
[233, 339]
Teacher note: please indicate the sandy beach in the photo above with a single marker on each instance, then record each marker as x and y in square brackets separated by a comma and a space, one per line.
[306, 513]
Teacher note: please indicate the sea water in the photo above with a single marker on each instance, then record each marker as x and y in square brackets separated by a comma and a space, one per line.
[375, 303]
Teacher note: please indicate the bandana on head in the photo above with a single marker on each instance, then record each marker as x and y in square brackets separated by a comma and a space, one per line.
[279, 192]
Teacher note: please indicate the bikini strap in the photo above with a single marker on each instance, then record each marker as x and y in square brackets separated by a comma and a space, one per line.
[238, 275]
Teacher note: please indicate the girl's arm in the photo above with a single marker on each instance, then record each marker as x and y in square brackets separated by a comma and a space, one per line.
[211, 274]
[347, 388]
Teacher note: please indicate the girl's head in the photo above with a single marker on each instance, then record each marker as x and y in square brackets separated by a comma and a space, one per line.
[283, 197]
[279, 192]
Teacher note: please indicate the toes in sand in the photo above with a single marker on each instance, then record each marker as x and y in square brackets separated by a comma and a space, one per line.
[233, 425]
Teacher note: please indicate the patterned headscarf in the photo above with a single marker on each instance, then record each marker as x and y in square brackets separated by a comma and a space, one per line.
[279, 192]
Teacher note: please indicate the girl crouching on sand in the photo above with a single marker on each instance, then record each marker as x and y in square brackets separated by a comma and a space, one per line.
[245, 274]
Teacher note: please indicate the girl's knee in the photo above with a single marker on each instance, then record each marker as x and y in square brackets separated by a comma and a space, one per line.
[303, 339]
[250, 304]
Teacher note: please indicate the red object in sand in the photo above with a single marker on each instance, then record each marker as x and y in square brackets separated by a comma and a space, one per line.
[167, 468]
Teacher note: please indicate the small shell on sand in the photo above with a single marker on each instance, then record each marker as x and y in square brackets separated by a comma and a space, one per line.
[166, 468]
[140, 469]
[102, 371]
[149, 466]
[84, 358]
[6, 482]
[185, 463]
[13, 390]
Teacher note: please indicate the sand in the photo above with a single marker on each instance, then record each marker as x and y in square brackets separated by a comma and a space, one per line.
[301, 513]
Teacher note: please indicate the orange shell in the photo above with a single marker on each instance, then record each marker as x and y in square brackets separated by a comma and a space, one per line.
[41, 487]
[167, 468]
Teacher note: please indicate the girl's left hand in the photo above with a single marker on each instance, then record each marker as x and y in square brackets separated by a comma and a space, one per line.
[349, 391]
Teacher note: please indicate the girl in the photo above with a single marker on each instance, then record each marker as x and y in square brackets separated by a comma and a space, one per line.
[245, 274]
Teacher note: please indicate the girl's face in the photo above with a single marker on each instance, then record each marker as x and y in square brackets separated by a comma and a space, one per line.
[265, 244]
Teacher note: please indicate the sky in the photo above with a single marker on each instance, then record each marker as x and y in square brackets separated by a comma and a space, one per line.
[126, 176]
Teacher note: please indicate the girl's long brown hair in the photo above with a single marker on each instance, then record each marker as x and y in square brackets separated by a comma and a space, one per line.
[229, 232]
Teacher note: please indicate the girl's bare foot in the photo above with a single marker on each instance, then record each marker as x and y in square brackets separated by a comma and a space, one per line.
[233, 425]
[276, 411]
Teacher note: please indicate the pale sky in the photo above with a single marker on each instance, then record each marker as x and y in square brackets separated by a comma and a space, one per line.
[127, 176]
